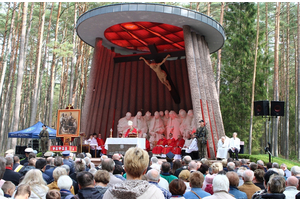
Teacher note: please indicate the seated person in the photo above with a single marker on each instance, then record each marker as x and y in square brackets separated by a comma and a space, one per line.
[23, 192]
[177, 147]
[234, 146]
[193, 148]
[131, 132]
[186, 145]
[160, 145]
[222, 148]
[8, 189]
[101, 145]
[168, 147]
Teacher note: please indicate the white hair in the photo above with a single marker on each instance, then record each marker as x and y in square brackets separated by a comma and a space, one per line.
[88, 155]
[93, 171]
[59, 171]
[64, 182]
[87, 160]
[153, 175]
[220, 182]
[154, 160]
[67, 168]
[295, 170]
[260, 162]
[248, 175]
[156, 167]
[240, 171]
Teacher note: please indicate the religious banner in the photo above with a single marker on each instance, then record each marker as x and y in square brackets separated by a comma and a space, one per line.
[68, 123]
[63, 148]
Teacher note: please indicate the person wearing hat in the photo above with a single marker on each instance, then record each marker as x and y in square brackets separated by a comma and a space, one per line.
[44, 135]
[27, 152]
[131, 132]
[201, 134]
[66, 160]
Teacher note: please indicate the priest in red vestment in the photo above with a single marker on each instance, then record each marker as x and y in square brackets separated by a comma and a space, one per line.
[170, 144]
[101, 144]
[178, 145]
[131, 132]
[160, 145]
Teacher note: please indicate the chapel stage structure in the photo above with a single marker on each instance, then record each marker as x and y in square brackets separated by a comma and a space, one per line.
[119, 82]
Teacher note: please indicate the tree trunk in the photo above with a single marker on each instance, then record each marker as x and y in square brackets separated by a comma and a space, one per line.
[44, 63]
[20, 73]
[4, 36]
[218, 74]
[298, 74]
[8, 48]
[198, 6]
[208, 8]
[74, 55]
[287, 118]
[276, 90]
[53, 67]
[296, 94]
[253, 81]
[267, 136]
[37, 64]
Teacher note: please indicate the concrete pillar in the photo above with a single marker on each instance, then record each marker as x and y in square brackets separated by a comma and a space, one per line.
[212, 87]
[206, 108]
[191, 60]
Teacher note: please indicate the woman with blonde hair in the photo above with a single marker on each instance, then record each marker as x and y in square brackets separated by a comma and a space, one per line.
[34, 179]
[136, 161]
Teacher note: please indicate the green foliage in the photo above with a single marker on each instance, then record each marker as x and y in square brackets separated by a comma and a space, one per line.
[237, 71]
[265, 158]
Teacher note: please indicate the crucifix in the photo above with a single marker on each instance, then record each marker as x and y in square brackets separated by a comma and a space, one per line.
[158, 58]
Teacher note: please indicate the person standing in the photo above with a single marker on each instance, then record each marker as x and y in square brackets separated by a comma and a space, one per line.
[201, 134]
[44, 135]
[234, 146]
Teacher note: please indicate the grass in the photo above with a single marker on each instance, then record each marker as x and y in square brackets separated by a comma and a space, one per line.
[265, 158]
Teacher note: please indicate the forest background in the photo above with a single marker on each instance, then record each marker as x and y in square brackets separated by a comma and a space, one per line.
[44, 66]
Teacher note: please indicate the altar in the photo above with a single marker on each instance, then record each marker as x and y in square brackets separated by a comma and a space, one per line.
[121, 145]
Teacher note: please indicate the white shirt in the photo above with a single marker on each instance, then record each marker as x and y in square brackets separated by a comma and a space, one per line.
[290, 192]
[193, 146]
[93, 143]
[235, 143]
[187, 143]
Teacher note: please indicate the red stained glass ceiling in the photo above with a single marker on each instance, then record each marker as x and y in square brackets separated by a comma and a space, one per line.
[138, 35]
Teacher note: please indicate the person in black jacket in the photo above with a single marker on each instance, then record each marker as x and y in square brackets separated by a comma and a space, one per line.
[9, 174]
[86, 183]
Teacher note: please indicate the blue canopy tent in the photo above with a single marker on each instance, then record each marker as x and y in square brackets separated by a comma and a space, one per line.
[33, 132]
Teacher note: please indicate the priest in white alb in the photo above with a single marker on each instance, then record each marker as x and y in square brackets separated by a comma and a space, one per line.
[223, 146]
[234, 146]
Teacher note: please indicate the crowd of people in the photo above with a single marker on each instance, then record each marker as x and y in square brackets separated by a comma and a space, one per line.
[138, 175]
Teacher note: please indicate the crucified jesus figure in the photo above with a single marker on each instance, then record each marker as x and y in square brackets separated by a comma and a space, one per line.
[161, 74]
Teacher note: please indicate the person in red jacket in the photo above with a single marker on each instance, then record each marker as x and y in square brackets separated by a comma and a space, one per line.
[170, 144]
[160, 145]
[178, 145]
[101, 144]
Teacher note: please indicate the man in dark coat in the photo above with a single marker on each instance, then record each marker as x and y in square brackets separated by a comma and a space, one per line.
[9, 174]
[86, 183]
[27, 152]
[44, 136]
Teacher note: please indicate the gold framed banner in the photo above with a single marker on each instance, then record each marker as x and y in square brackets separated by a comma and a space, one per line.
[68, 123]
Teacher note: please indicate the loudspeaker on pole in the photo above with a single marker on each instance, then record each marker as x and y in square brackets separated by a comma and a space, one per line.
[261, 108]
[277, 108]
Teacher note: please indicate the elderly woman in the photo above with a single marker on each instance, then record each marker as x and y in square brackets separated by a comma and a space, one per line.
[38, 187]
[80, 166]
[102, 178]
[136, 161]
[177, 188]
[65, 184]
[59, 171]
